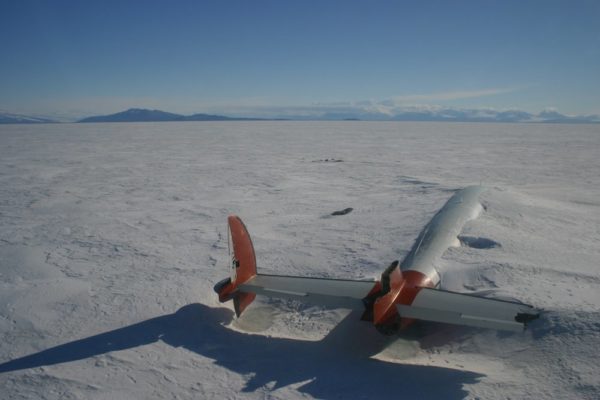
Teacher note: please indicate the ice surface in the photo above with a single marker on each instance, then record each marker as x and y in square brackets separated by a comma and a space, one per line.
[112, 236]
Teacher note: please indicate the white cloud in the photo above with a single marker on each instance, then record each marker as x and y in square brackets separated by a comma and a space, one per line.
[454, 95]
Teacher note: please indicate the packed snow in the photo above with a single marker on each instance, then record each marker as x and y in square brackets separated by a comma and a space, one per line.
[113, 235]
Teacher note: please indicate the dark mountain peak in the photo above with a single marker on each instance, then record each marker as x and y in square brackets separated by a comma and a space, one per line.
[135, 115]
[145, 115]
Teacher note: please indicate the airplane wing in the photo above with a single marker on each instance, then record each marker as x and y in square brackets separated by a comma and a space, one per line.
[245, 283]
[465, 309]
[340, 293]
[395, 300]
[429, 304]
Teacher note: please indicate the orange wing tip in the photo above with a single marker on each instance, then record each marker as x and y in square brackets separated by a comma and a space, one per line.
[243, 266]
[241, 301]
[243, 262]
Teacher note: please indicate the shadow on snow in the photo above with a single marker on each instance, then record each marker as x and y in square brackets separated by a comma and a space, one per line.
[337, 366]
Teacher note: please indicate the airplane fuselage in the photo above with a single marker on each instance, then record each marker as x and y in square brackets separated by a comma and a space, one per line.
[419, 268]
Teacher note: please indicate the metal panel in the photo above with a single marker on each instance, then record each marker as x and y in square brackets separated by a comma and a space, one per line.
[457, 318]
[464, 309]
[328, 292]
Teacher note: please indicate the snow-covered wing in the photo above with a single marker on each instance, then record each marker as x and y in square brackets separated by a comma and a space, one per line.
[469, 310]
[328, 292]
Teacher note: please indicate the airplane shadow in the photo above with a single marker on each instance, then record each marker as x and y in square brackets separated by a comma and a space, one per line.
[338, 366]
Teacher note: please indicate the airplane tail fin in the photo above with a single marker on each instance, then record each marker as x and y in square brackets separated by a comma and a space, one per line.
[243, 267]
[464, 309]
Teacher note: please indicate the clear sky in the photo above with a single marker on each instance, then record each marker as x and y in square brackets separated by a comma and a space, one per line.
[77, 58]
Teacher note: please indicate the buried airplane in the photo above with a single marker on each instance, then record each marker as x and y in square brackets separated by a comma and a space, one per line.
[407, 291]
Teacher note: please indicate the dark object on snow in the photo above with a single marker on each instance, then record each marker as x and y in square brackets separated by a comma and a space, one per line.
[524, 318]
[343, 212]
[334, 160]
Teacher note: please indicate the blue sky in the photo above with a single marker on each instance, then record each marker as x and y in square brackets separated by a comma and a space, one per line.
[76, 58]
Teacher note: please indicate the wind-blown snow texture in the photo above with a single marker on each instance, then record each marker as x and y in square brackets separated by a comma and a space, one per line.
[112, 236]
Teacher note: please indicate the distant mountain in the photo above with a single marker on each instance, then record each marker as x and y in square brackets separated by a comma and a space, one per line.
[551, 116]
[135, 115]
[22, 119]
[441, 114]
[144, 115]
[211, 117]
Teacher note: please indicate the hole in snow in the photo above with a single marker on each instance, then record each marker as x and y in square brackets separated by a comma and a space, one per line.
[478, 242]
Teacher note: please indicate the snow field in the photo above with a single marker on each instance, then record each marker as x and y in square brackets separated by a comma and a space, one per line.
[112, 236]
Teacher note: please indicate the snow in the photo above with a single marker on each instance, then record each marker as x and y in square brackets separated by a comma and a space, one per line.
[112, 236]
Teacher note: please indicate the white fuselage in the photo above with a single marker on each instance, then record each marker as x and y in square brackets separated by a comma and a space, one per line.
[442, 232]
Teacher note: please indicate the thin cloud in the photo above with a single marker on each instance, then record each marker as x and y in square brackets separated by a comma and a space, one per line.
[454, 95]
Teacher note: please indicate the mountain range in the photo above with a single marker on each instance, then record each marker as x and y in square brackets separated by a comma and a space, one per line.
[144, 115]
[453, 115]
[333, 114]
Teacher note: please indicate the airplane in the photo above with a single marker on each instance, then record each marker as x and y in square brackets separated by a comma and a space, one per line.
[407, 291]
